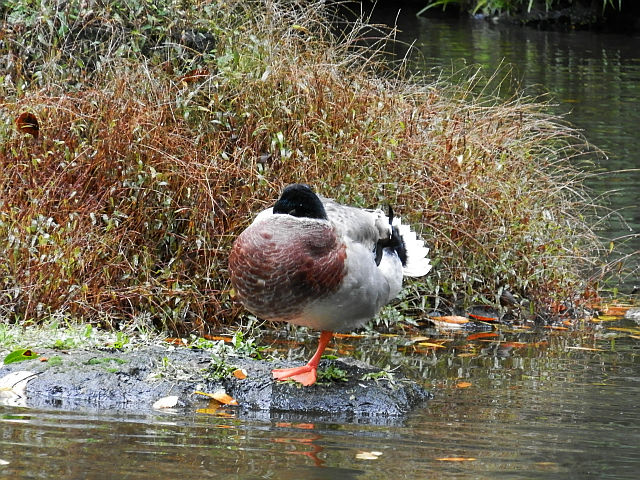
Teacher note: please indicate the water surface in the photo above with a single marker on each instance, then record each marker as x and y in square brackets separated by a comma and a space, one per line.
[518, 404]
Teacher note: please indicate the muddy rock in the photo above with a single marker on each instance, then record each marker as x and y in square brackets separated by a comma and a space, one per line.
[134, 381]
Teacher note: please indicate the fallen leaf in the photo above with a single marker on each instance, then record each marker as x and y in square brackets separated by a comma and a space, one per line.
[483, 318]
[605, 318]
[368, 455]
[240, 373]
[20, 355]
[3, 462]
[475, 336]
[616, 310]
[632, 330]
[176, 341]
[217, 337]
[463, 384]
[27, 122]
[166, 402]
[430, 345]
[513, 344]
[555, 327]
[456, 319]
[456, 459]
[219, 396]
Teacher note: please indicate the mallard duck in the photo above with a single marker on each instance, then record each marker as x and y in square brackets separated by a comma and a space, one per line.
[311, 261]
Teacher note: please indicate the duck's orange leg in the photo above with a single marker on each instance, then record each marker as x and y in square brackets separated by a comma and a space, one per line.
[306, 375]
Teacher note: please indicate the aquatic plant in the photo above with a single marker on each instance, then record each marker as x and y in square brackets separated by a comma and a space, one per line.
[164, 126]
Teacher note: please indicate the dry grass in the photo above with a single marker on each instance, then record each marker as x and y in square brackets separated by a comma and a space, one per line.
[143, 173]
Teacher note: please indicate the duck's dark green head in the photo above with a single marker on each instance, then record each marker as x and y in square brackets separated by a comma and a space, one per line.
[299, 200]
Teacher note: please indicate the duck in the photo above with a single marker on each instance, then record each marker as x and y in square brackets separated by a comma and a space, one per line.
[313, 262]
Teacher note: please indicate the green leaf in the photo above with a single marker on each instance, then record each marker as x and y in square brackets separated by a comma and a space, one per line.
[20, 356]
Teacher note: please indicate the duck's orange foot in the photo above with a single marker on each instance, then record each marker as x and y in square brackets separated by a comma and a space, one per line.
[306, 375]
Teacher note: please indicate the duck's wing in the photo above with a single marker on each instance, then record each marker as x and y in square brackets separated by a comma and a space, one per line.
[358, 225]
[372, 227]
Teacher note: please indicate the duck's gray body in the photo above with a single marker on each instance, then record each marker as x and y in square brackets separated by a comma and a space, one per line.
[321, 272]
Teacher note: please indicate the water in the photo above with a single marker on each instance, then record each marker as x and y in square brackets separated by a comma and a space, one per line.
[526, 404]
[523, 404]
[593, 79]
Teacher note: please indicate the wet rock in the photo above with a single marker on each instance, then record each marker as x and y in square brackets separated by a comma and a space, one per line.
[134, 381]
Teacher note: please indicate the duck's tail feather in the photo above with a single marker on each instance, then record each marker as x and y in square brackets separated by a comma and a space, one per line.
[417, 263]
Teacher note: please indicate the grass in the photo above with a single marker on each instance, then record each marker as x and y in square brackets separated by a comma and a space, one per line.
[164, 126]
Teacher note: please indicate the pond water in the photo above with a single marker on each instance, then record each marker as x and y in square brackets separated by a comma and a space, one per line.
[507, 403]
[517, 404]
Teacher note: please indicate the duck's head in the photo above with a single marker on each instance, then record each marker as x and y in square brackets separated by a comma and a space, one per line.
[299, 200]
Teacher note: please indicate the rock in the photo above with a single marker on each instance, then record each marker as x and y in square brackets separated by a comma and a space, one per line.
[134, 381]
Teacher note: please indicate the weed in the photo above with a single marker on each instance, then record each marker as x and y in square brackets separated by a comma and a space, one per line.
[385, 375]
[123, 211]
[332, 374]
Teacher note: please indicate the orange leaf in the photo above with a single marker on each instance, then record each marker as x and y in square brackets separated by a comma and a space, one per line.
[617, 310]
[513, 344]
[219, 396]
[556, 327]
[217, 337]
[463, 384]
[430, 345]
[475, 336]
[451, 319]
[482, 318]
[175, 341]
[28, 123]
[240, 373]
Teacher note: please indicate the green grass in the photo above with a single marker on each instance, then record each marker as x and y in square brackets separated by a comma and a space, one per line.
[165, 126]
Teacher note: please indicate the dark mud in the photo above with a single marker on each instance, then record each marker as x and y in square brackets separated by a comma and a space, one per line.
[134, 381]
